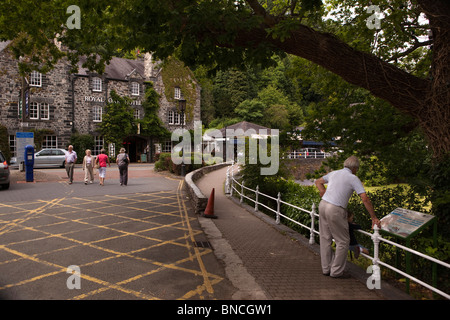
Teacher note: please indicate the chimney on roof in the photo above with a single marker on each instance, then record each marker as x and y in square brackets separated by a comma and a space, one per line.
[148, 66]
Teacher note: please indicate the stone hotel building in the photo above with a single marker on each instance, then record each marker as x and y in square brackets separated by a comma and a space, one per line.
[65, 103]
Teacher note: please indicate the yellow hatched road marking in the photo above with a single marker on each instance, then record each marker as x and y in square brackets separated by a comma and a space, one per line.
[208, 279]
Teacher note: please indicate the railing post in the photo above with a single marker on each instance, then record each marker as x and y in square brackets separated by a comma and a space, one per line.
[227, 182]
[313, 216]
[277, 221]
[374, 281]
[242, 192]
[256, 198]
[232, 179]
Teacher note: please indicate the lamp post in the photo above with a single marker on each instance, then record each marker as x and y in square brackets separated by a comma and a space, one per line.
[182, 104]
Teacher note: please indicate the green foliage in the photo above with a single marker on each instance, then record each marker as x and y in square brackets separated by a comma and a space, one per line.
[4, 142]
[165, 163]
[81, 142]
[439, 175]
[176, 74]
[39, 137]
[118, 120]
[250, 110]
[151, 124]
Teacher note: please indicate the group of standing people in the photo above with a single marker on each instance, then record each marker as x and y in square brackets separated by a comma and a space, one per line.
[99, 162]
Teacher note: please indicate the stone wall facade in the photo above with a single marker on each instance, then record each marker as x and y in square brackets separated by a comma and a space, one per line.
[71, 102]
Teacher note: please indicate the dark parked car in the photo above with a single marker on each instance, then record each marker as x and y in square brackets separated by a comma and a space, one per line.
[4, 172]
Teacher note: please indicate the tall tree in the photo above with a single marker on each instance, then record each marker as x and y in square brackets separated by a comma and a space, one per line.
[151, 125]
[229, 32]
[118, 120]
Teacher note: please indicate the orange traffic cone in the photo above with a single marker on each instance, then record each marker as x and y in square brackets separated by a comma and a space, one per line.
[209, 211]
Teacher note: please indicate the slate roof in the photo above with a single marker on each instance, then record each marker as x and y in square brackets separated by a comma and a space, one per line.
[118, 68]
[245, 125]
[3, 45]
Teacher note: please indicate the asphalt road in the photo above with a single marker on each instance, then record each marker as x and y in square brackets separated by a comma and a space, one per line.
[142, 241]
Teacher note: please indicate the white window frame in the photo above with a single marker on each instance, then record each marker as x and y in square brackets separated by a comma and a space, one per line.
[96, 84]
[167, 146]
[44, 111]
[135, 88]
[177, 118]
[98, 145]
[97, 112]
[13, 145]
[177, 93]
[35, 79]
[33, 111]
[171, 116]
[50, 142]
[137, 114]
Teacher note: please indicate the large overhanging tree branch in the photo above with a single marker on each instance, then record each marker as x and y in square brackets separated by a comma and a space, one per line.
[424, 99]
[225, 31]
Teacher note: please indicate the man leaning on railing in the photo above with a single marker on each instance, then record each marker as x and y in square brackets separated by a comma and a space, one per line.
[333, 223]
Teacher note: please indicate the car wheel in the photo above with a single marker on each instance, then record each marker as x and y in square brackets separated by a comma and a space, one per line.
[6, 186]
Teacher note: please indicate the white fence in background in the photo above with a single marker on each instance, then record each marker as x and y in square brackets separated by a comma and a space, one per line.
[307, 155]
[233, 186]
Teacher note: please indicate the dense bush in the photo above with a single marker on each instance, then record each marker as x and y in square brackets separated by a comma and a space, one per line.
[165, 162]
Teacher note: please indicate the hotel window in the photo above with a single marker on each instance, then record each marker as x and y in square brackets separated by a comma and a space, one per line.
[12, 145]
[33, 111]
[176, 118]
[98, 140]
[50, 142]
[35, 79]
[44, 111]
[177, 95]
[97, 114]
[167, 146]
[171, 115]
[96, 84]
[137, 114]
[135, 89]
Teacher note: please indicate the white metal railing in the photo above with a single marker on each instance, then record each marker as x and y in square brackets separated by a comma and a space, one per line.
[232, 186]
[307, 155]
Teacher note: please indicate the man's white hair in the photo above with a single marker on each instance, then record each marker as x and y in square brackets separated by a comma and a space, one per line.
[351, 163]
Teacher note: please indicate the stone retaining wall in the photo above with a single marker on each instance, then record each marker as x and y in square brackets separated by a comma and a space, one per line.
[198, 199]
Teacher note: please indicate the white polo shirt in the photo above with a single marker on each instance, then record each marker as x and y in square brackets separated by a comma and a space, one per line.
[341, 184]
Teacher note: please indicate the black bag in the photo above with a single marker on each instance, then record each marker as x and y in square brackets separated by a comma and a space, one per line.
[123, 159]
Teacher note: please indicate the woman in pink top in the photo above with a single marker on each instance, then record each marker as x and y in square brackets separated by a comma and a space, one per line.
[102, 160]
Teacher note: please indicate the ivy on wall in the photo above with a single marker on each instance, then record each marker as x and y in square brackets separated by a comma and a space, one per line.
[176, 74]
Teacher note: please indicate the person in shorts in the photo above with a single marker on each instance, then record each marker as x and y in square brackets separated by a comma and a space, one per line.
[102, 160]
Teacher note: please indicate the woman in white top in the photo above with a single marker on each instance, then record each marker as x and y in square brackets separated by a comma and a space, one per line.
[88, 167]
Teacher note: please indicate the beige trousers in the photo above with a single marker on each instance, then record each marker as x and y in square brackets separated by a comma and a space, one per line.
[89, 173]
[333, 224]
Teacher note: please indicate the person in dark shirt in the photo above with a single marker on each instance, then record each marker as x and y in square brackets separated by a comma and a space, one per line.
[354, 246]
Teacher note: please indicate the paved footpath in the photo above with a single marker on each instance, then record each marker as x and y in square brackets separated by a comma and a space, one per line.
[277, 267]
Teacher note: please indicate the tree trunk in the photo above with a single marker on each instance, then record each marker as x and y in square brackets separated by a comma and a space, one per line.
[435, 114]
